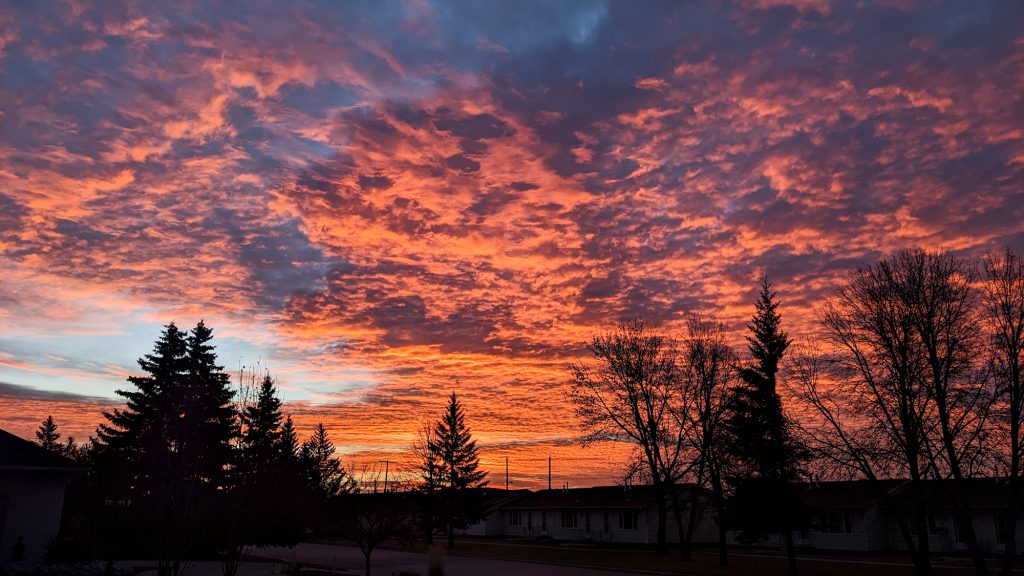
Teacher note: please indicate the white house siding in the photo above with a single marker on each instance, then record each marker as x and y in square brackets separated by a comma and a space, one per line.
[34, 502]
[490, 526]
[944, 538]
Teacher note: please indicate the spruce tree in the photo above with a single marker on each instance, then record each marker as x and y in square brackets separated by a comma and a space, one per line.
[209, 404]
[167, 452]
[288, 443]
[766, 459]
[324, 472]
[261, 433]
[48, 436]
[139, 448]
[458, 468]
[268, 499]
[134, 438]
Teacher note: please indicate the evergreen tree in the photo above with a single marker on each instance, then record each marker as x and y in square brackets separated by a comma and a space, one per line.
[167, 452]
[458, 473]
[261, 433]
[288, 443]
[210, 400]
[268, 498]
[48, 436]
[135, 451]
[325, 475]
[766, 457]
[129, 431]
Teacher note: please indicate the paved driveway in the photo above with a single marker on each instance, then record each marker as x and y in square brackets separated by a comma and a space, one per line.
[388, 562]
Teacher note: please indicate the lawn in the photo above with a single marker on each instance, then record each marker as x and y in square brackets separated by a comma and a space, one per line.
[705, 561]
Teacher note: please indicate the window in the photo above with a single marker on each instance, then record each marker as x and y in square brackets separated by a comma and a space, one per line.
[1000, 519]
[515, 518]
[835, 522]
[569, 519]
[628, 520]
[958, 529]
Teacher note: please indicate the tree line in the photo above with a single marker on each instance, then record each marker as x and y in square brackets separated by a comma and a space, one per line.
[913, 372]
[192, 468]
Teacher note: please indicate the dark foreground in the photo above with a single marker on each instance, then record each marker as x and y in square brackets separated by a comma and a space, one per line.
[504, 558]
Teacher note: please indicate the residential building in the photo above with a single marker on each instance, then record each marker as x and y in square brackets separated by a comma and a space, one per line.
[32, 482]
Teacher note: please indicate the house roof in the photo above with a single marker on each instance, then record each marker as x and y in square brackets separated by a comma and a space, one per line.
[598, 497]
[495, 498]
[20, 454]
[848, 493]
[984, 492]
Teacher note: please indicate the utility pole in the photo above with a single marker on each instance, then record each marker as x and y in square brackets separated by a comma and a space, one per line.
[549, 472]
[387, 464]
[506, 473]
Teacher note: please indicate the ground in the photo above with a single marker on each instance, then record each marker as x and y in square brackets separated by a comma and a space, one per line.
[473, 557]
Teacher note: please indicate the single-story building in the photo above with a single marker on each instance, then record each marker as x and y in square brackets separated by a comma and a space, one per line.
[495, 501]
[625, 514]
[861, 515]
[32, 482]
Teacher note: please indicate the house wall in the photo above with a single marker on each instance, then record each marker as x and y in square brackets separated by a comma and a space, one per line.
[945, 539]
[591, 526]
[34, 502]
[492, 525]
[867, 532]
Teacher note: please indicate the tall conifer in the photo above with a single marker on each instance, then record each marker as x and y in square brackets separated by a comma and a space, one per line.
[48, 436]
[458, 473]
[261, 433]
[767, 459]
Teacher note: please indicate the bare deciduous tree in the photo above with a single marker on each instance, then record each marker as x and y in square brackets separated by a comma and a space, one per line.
[937, 290]
[630, 393]
[875, 411]
[901, 393]
[1003, 297]
[708, 371]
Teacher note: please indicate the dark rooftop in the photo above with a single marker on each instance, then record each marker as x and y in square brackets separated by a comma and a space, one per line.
[20, 454]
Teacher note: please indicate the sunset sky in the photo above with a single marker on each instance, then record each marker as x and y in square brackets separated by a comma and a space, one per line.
[386, 201]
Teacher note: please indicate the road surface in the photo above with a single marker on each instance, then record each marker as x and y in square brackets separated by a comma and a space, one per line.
[388, 562]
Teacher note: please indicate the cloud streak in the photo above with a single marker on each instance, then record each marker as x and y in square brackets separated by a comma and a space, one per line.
[386, 203]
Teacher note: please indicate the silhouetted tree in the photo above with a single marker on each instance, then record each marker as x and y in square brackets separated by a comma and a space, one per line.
[209, 398]
[428, 464]
[48, 436]
[268, 496]
[167, 453]
[368, 520]
[901, 395]
[767, 456]
[632, 394]
[1003, 298]
[288, 444]
[708, 370]
[261, 428]
[938, 290]
[458, 469]
[325, 475]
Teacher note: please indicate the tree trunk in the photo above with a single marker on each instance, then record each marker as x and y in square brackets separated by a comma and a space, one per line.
[718, 494]
[922, 560]
[790, 553]
[662, 546]
[1010, 538]
[684, 536]
[232, 558]
[451, 535]
[366, 560]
